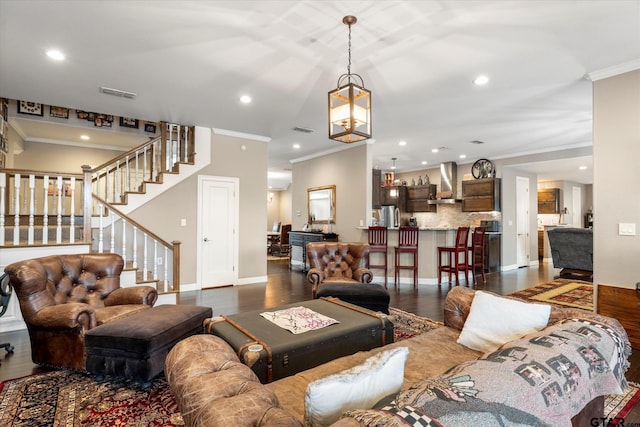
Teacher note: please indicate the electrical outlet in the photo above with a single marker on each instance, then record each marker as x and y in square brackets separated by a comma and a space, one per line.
[159, 261]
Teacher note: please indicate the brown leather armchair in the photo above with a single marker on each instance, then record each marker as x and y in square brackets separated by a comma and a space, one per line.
[63, 296]
[338, 262]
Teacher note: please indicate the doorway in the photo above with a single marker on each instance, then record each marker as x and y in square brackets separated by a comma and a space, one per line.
[522, 221]
[218, 207]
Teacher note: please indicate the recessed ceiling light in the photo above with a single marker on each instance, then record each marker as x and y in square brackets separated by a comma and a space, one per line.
[245, 99]
[583, 168]
[481, 80]
[55, 54]
[84, 137]
[463, 156]
[435, 150]
[296, 146]
[402, 143]
[424, 162]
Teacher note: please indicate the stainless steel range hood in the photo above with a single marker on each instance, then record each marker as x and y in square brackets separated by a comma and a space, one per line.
[448, 184]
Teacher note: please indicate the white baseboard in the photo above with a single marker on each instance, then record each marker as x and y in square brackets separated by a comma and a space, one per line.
[509, 267]
[250, 280]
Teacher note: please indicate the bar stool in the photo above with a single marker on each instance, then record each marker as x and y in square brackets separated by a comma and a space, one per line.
[407, 243]
[477, 253]
[378, 244]
[455, 265]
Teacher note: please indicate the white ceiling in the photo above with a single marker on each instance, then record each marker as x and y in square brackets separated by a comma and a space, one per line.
[189, 61]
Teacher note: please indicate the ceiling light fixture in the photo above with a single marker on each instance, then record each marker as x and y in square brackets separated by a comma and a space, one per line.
[349, 103]
[402, 143]
[296, 146]
[55, 54]
[481, 80]
[84, 137]
[245, 99]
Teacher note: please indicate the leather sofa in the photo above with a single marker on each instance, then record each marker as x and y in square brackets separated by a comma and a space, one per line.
[572, 251]
[218, 390]
[63, 296]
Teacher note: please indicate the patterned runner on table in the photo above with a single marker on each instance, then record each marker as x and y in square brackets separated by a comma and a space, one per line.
[298, 319]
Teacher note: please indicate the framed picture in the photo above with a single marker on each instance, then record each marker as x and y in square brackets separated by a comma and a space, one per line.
[150, 127]
[32, 108]
[127, 122]
[60, 112]
[82, 115]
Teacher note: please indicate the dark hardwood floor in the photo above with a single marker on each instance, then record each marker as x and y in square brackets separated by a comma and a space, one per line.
[289, 286]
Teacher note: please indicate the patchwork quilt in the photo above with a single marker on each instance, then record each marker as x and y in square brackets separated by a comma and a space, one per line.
[543, 379]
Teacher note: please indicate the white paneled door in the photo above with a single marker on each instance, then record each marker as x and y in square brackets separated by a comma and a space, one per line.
[522, 221]
[217, 231]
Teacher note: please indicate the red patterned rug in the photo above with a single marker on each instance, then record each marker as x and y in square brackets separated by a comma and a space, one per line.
[561, 292]
[71, 399]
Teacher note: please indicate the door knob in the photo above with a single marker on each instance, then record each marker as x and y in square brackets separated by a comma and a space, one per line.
[206, 239]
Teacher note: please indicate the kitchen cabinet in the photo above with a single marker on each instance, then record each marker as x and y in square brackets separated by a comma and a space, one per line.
[549, 201]
[396, 195]
[481, 195]
[418, 197]
[492, 249]
[376, 184]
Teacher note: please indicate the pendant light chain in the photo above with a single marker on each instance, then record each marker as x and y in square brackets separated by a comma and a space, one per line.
[349, 65]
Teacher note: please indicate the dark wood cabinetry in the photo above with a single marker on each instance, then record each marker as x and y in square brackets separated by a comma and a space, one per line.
[376, 184]
[396, 196]
[301, 238]
[492, 250]
[549, 201]
[481, 195]
[418, 197]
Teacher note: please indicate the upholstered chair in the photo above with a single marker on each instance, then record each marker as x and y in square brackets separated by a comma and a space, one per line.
[338, 262]
[63, 296]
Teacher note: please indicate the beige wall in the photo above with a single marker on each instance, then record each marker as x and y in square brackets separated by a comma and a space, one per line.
[60, 158]
[349, 170]
[616, 186]
[163, 214]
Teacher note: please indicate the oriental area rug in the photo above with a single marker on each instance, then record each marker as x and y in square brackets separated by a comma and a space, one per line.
[560, 292]
[73, 399]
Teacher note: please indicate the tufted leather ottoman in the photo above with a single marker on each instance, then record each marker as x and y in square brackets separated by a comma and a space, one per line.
[371, 296]
[136, 346]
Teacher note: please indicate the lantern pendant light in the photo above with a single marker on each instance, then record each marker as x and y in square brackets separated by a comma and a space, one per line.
[350, 104]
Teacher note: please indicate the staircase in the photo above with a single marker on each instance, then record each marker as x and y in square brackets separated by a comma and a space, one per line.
[44, 212]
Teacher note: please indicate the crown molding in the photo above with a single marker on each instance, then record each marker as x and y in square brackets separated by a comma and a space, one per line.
[614, 70]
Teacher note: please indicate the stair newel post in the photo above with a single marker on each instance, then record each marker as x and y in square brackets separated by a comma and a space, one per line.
[87, 204]
[165, 129]
[176, 265]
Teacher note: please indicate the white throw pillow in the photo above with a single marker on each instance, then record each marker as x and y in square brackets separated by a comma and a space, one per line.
[359, 387]
[494, 320]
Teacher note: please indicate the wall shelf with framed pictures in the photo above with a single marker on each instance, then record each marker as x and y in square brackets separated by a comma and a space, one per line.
[30, 108]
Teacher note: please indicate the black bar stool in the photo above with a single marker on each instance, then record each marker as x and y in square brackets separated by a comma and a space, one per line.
[477, 253]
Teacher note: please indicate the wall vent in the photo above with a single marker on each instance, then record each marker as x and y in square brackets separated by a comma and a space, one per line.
[117, 92]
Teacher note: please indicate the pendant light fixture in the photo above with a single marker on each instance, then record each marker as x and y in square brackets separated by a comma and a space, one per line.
[350, 103]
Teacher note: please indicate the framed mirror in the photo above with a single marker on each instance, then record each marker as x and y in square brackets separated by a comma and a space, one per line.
[321, 204]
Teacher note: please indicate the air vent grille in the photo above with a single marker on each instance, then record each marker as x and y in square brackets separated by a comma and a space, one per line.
[303, 130]
[117, 92]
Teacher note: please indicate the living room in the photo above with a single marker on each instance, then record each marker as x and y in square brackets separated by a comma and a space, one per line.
[615, 109]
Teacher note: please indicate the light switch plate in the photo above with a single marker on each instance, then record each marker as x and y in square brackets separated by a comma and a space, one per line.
[626, 229]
